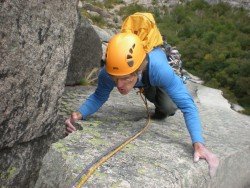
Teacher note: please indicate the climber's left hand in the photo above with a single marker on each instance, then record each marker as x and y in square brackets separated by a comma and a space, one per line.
[201, 152]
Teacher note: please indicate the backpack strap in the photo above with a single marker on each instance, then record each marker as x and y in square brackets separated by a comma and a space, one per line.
[145, 77]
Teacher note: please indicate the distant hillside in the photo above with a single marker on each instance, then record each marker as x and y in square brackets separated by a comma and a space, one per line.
[234, 3]
[170, 3]
[215, 45]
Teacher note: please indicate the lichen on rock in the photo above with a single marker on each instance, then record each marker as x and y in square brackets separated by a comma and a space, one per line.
[162, 156]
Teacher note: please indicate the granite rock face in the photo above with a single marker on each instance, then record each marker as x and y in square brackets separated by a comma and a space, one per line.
[36, 41]
[162, 157]
[234, 3]
[20, 164]
[172, 3]
[86, 53]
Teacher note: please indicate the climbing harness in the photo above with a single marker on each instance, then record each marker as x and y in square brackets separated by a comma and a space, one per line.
[90, 169]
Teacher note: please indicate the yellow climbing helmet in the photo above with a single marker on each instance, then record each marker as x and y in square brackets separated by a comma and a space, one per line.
[124, 54]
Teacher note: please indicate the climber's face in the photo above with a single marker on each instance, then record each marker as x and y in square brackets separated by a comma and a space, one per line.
[125, 83]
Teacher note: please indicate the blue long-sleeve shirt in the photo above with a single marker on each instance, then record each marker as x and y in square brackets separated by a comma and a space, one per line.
[160, 74]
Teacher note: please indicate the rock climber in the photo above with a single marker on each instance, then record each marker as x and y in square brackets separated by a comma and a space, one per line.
[128, 66]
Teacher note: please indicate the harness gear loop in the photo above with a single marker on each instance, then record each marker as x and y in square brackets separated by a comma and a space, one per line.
[141, 91]
[81, 179]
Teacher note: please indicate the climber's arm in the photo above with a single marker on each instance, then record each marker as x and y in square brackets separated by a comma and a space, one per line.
[93, 102]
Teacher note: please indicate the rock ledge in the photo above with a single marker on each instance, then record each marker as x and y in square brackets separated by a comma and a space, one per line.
[162, 157]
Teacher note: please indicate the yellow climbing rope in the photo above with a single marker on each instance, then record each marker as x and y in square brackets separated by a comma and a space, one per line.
[86, 173]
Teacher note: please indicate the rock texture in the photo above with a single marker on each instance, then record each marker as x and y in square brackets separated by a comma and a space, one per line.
[86, 53]
[235, 3]
[20, 165]
[162, 157]
[36, 41]
[171, 3]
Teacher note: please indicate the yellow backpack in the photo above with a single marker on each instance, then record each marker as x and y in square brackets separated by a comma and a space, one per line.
[144, 26]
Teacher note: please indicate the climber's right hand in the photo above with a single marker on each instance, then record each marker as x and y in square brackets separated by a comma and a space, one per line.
[70, 122]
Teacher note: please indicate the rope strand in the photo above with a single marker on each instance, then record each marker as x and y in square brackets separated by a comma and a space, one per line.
[81, 179]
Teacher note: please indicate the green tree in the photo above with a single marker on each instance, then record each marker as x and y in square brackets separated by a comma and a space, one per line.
[214, 41]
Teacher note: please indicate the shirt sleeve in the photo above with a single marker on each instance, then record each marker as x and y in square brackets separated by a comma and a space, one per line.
[100, 96]
[162, 75]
